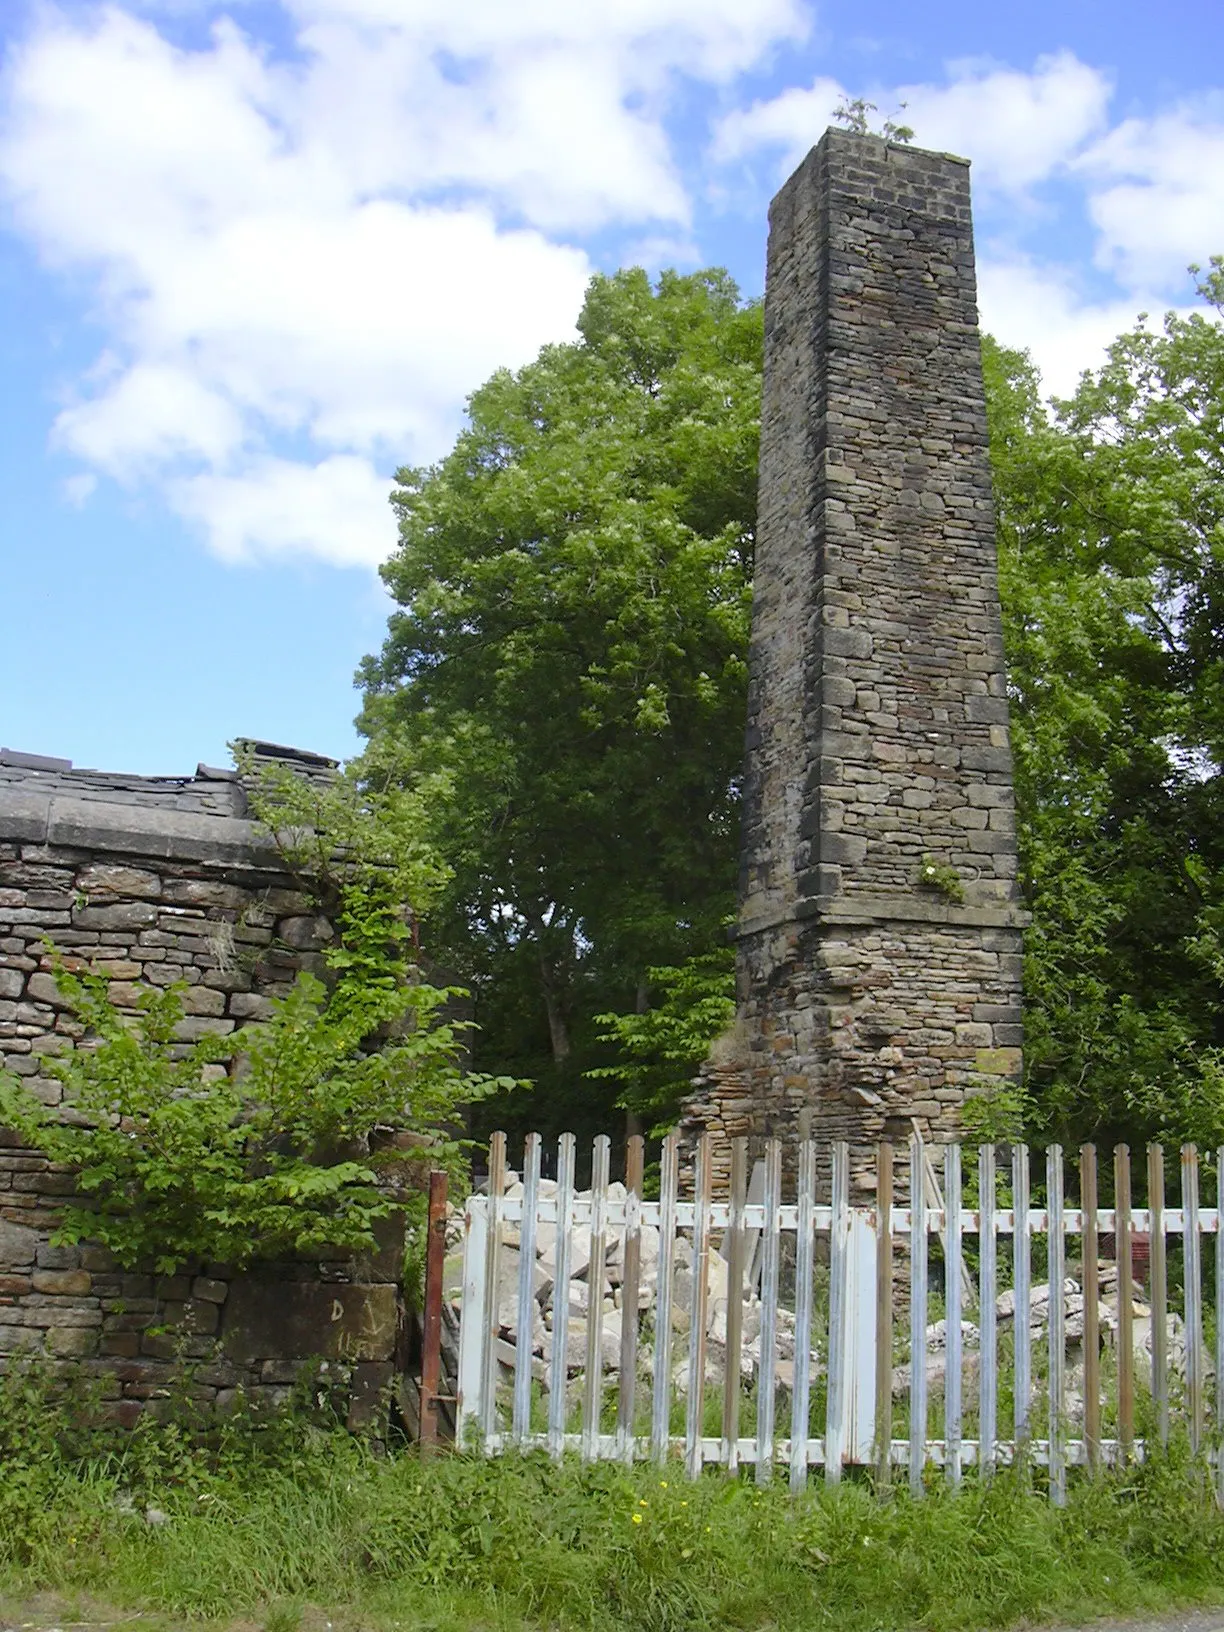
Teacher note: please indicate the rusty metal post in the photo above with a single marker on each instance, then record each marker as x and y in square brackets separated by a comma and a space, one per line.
[635, 1157]
[431, 1346]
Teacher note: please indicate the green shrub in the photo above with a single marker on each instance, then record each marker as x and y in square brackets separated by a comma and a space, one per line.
[176, 1158]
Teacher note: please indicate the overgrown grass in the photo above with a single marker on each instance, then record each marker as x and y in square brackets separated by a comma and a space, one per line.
[263, 1519]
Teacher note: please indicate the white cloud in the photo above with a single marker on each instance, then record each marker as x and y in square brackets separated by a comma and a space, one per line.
[1041, 309]
[553, 107]
[792, 122]
[152, 414]
[303, 259]
[710, 38]
[326, 250]
[79, 489]
[336, 510]
[546, 133]
[1157, 193]
[1018, 128]
[664, 251]
[363, 324]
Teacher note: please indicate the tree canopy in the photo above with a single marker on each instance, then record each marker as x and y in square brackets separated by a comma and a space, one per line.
[573, 584]
[1111, 548]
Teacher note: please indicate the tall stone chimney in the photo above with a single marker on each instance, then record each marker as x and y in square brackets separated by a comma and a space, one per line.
[879, 933]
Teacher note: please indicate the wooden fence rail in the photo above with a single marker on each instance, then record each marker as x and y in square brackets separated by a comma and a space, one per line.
[962, 1320]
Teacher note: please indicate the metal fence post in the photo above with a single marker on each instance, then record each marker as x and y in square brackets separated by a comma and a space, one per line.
[431, 1344]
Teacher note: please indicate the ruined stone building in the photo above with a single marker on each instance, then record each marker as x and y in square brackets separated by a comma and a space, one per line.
[880, 931]
[879, 938]
[155, 880]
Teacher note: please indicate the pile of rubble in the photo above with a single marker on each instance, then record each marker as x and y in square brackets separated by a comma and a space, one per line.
[546, 1310]
[1073, 1333]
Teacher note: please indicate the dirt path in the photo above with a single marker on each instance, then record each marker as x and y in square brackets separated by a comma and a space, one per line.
[50, 1612]
[1184, 1620]
[55, 1612]
[61, 1612]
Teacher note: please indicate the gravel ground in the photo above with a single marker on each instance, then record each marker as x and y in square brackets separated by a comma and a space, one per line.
[50, 1613]
[1186, 1620]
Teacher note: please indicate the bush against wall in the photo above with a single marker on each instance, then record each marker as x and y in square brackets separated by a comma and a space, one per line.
[267, 1141]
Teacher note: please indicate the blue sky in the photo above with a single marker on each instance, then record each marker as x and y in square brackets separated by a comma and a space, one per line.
[254, 255]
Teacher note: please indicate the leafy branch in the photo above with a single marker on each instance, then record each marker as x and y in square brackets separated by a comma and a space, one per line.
[853, 115]
[660, 1049]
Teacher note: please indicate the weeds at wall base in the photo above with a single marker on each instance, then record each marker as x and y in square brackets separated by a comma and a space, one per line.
[270, 1517]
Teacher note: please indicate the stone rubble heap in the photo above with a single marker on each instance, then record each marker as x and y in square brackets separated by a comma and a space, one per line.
[546, 1312]
[1073, 1328]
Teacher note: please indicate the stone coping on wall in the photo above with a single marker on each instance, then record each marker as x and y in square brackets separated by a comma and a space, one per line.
[37, 817]
[202, 818]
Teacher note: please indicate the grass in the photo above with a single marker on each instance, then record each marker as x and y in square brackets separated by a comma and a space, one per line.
[263, 1520]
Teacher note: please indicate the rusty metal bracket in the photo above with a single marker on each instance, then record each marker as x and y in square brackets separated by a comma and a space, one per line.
[431, 1346]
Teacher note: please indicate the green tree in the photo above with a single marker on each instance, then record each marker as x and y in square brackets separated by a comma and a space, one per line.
[573, 585]
[573, 593]
[1110, 552]
[659, 1048]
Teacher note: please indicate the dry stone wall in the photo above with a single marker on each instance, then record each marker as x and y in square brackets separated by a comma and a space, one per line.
[156, 881]
[880, 931]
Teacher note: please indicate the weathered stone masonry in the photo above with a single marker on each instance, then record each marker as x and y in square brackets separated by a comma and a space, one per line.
[878, 716]
[157, 880]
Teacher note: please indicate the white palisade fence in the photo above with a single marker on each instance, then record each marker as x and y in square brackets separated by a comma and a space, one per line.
[771, 1329]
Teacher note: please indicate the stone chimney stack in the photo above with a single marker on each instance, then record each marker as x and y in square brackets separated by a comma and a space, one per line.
[879, 931]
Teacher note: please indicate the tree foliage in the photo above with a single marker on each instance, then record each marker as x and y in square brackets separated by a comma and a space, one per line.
[1110, 556]
[573, 598]
[573, 585]
[658, 1048]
